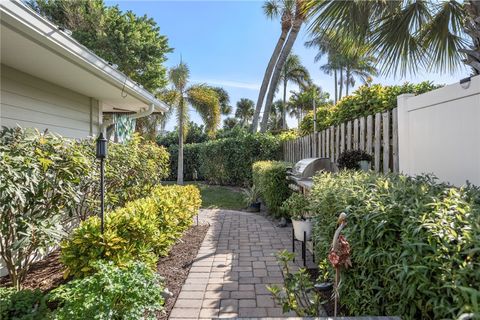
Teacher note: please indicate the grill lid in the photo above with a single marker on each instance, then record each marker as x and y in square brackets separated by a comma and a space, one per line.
[307, 167]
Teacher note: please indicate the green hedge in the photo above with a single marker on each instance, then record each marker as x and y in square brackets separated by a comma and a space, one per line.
[414, 244]
[270, 179]
[366, 100]
[141, 231]
[229, 161]
[191, 161]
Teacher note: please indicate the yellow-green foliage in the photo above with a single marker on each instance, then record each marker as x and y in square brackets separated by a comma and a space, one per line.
[414, 243]
[269, 178]
[142, 230]
[366, 100]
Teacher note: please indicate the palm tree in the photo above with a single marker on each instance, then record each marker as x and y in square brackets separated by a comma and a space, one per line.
[295, 72]
[301, 102]
[359, 66]
[277, 118]
[224, 99]
[297, 22]
[405, 36]
[274, 9]
[244, 111]
[201, 97]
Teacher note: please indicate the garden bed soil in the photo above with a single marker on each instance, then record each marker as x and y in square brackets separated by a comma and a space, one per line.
[45, 274]
[175, 267]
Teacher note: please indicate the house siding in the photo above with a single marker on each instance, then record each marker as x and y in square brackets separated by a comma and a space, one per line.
[31, 102]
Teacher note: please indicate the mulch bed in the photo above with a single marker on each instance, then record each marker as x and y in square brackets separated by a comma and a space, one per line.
[45, 274]
[175, 267]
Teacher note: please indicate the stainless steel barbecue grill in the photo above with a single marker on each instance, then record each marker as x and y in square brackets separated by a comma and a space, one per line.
[300, 176]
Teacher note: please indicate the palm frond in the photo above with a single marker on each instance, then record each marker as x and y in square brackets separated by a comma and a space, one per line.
[179, 75]
[205, 101]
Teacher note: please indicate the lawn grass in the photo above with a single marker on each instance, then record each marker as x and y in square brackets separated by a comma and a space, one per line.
[220, 197]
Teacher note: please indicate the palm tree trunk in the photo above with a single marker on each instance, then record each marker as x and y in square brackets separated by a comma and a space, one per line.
[347, 83]
[180, 142]
[336, 85]
[297, 24]
[267, 76]
[341, 84]
[284, 109]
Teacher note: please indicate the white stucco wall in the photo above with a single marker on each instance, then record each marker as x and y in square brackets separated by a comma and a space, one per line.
[439, 133]
[29, 101]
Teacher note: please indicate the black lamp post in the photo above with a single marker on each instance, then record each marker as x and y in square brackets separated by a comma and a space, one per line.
[102, 154]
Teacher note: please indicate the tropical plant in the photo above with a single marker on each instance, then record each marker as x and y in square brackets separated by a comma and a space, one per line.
[244, 111]
[301, 102]
[296, 206]
[39, 190]
[195, 134]
[404, 36]
[349, 159]
[285, 9]
[202, 98]
[224, 100]
[251, 195]
[140, 231]
[134, 292]
[298, 293]
[230, 123]
[275, 121]
[292, 71]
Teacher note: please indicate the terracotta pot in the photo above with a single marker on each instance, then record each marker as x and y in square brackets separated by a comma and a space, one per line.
[301, 226]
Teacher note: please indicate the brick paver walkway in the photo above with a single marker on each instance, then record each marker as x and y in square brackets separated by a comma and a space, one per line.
[232, 268]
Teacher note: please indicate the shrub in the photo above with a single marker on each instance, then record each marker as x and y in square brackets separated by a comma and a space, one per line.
[39, 187]
[191, 161]
[111, 293]
[270, 178]
[142, 230]
[349, 159]
[22, 305]
[229, 161]
[414, 243]
[297, 207]
[366, 100]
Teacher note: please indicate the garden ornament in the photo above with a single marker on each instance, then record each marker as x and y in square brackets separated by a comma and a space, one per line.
[339, 255]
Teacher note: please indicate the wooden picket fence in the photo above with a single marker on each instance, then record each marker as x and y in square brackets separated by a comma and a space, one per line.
[376, 134]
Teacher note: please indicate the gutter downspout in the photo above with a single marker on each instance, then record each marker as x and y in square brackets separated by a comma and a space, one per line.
[137, 115]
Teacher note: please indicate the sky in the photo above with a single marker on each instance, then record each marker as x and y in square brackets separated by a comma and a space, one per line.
[229, 43]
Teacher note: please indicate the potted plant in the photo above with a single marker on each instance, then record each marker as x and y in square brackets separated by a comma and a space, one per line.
[355, 160]
[297, 207]
[251, 196]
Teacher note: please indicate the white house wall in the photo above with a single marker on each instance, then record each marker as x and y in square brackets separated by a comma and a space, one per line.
[439, 133]
[28, 101]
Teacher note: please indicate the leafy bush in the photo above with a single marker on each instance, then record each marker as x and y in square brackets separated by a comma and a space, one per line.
[22, 305]
[195, 134]
[191, 161]
[142, 230]
[49, 182]
[39, 186]
[111, 293]
[270, 178]
[414, 243]
[349, 159]
[297, 206]
[229, 161]
[366, 100]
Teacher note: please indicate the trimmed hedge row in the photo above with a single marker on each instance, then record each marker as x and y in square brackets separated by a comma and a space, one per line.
[226, 161]
[141, 231]
[414, 243]
[270, 179]
[366, 100]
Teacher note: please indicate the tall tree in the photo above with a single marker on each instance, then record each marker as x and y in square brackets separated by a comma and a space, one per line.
[301, 102]
[277, 111]
[297, 22]
[292, 71]
[131, 42]
[244, 111]
[404, 36]
[202, 98]
[274, 9]
[224, 99]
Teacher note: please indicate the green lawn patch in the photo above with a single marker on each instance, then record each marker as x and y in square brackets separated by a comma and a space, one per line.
[222, 197]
